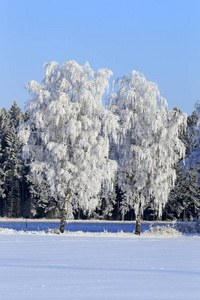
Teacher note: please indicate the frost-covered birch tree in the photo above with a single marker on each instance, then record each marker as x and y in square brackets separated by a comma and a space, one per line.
[66, 137]
[148, 142]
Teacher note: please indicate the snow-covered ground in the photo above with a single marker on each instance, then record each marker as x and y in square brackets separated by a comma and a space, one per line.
[98, 266]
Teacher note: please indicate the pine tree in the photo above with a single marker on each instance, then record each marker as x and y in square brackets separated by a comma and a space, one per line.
[177, 203]
[193, 145]
[4, 128]
[16, 115]
[193, 195]
[188, 136]
[12, 167]
[186, 187]
[40, 204]
[11, 162]
[184, 200]
[2, 191]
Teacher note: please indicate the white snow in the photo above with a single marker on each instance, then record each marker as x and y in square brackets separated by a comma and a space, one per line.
[99, 266]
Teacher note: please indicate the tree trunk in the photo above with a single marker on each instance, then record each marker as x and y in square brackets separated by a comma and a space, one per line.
[18, 209]
[11, 206]
[11, 194]
[64, 212]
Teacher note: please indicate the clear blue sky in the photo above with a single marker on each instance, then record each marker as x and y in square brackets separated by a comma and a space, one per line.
[160, 38]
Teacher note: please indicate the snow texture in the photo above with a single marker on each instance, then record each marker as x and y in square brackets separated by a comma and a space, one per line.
[98, 266]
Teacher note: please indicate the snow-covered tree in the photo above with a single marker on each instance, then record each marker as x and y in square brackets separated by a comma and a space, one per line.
[193, 159]
[16, 115]
[2, 190]
[192, 195]
[4, 129]
[148, 142]
[177, 203]
[66, 136]
[188, 137]
[40, 203]
[191, 166]
[183, 199]
[11, 161]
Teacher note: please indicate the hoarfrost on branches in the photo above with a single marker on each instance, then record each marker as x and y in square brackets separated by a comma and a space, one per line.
[72, 142]
[148, 142]
[66, 137]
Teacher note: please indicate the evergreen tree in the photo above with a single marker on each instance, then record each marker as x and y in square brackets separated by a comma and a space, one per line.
[2, 191]
[183, 199]
[4, 129]
[193, 195]
[11, 162]
[188, 136]
[16, 115]
[40, 204]
[12, 167]
[193, 158]
[177, 202]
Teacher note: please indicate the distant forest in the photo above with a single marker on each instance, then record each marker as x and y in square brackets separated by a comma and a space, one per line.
[113, 161]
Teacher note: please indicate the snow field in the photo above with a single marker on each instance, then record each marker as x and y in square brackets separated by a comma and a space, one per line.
[98, 267]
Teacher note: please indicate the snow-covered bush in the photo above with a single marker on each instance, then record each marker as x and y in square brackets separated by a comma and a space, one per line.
[164, 231]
